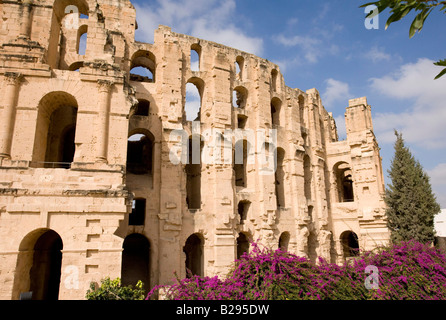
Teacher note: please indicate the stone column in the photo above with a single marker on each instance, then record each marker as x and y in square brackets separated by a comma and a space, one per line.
[7, 119]
[105, 87]
[26, 19]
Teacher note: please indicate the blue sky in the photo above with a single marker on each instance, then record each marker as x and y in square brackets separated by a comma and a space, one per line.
[325, 45]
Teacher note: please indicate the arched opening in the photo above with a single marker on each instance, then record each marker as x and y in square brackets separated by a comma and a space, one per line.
[284, 241]
[242, 244]
[240, 162]
[241, 121]
[135, 260]
[142, 66]
[344, 183]
[308, 178]
[193, 172]
[39, 264]
[193, 98]
[140, 153]
[280, 179]
[138, 215]
[239, 66]
[242, 209]
[276, 105]
[274, 75]
[350, 244]
[239, 97]
[75, 66]
[81, 46]
[195, 57]
[65, 34]
[142, 108]
[193, 249]
[54, 144]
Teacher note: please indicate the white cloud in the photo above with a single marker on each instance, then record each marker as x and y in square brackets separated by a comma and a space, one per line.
[207, 19]
[423, 121]
[377, 54]
[336, 91]
[310, 46]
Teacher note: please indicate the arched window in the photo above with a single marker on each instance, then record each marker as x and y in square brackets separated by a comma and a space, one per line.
[142, 66]
[274, 75]
[135, 261]
[350, 244]
[54, 145]
[66, 21]
[193, 249]
[284, 241]
[239, 68]
[276, 105]
[343, 177]
[81, 46]
[239, 97]
[242, 209]
[242, 244]
[138, 214]
[195, 57]
[280, 179]
[140, 153]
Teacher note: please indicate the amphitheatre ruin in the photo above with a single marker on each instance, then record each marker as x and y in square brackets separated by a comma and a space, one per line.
[88, 188]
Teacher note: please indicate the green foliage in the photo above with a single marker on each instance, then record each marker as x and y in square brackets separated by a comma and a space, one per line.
[400, 8]
[112, 290]
[409, 198]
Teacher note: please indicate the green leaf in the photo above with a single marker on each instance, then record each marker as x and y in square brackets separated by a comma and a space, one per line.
[443, 72]
[418, 22]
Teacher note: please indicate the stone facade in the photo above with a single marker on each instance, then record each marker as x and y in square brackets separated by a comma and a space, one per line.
[88, 188]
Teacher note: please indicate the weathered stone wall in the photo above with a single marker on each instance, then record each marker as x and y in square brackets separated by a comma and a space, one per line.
[323, 194]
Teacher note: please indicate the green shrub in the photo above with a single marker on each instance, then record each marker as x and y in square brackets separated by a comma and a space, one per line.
[112, 290]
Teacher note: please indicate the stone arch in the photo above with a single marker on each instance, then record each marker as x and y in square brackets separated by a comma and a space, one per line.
[342, 173]
[61, 8]
[140, 147]
[239, 68]
[56, 114]
[239, 97]
[143, 65]
[242, 241]
[193, 249]
[284, 241]
[136, 257]
[276, 106]
[195, 62]
[350, 244]
[191, 102]
[38, 267]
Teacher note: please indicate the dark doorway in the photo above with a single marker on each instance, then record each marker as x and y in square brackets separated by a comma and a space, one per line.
[45, 271]
[194, 255]
[242, 244]
[136, 260]
[350, 245]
